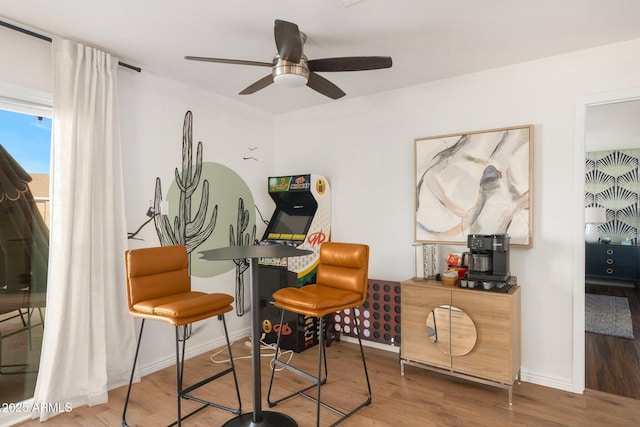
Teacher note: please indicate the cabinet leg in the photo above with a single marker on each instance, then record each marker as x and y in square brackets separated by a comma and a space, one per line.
[511, 396]
[402, 367]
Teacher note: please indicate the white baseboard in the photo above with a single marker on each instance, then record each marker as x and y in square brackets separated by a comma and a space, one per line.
[547, 381]
[373, 344]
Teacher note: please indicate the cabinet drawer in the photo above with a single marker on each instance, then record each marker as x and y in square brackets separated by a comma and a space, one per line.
[611, 251]
[611, 271]
[611, 261]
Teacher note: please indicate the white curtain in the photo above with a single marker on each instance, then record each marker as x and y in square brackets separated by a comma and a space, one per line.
[89, 336]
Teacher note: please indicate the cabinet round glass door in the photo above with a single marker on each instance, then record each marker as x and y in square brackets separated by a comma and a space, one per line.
[451, 330]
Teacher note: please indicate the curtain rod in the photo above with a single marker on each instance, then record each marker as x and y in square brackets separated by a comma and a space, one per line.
[49, 39]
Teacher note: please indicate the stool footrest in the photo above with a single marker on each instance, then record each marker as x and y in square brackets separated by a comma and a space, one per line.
[199, 384]
[184, 393]
[206, 403]
[336, 410]
[297, 371]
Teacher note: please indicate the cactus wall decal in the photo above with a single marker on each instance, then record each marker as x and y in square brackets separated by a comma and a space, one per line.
[239, 238]
[195, 229]
[186, 230]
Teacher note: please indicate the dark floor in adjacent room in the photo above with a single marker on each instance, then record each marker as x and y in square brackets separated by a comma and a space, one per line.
[612, 364]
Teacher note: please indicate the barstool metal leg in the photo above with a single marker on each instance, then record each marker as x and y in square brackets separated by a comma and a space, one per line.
[343, 415]
[182, 393]
[364, 363]
[233, 366]
[179, 370]
[277, 362]
[133, 369]
[320, 352]
[317, 381]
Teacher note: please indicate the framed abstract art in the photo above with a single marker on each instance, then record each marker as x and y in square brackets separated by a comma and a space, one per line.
[474, 183]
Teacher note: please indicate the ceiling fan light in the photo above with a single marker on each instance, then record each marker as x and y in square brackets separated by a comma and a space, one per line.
[290, 80]
[290, 74]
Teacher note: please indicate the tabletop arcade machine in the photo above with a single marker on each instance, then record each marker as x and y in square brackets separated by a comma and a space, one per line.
[302, 218]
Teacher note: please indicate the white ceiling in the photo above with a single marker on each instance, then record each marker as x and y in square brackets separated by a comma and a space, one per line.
[427, 39]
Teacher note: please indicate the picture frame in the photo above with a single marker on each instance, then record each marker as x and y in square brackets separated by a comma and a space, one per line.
[478, 182]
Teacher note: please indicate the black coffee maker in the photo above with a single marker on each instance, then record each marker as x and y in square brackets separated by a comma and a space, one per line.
[488, 257]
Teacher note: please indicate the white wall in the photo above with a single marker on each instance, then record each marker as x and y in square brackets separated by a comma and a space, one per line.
[26, 61]
[364, 147]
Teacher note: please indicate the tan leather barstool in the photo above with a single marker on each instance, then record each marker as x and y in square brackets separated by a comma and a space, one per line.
[341, 283]
[159, 288]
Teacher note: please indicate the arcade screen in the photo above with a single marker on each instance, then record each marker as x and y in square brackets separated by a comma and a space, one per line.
[288, 227]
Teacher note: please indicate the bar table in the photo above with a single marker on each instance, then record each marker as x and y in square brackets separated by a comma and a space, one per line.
[258, 417]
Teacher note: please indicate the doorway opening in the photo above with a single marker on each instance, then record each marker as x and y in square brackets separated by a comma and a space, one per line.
[611, 155]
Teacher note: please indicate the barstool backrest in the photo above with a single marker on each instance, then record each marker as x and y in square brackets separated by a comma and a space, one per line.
[156, 272]
[344, 266]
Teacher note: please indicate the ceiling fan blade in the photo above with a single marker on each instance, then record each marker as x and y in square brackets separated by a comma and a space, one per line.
[324, 86]
[350, 63]
[288, 41]
[229, 61]
[260, 84]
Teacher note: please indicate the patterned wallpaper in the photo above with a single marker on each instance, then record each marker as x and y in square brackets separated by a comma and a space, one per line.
[612, 181]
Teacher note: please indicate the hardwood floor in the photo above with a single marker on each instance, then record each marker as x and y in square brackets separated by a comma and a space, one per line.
[420, 398]
[612, 364]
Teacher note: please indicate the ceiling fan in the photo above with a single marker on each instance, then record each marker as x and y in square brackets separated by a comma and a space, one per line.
[291, 68]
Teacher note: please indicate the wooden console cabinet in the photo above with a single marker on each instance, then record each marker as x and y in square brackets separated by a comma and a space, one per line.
[467, 333]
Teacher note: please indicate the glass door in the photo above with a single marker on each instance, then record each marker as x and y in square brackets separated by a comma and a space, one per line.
[25, 142]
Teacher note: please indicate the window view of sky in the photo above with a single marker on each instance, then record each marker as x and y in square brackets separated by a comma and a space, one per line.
[28, 139]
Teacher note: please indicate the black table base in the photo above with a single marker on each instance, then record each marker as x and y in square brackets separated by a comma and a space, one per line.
[269, 419]
[262, 418]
